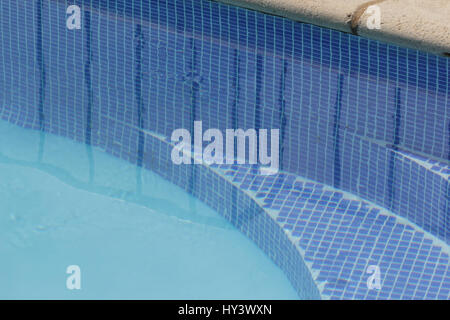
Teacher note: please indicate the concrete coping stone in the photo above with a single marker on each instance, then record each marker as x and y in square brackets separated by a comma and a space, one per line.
[416, 24]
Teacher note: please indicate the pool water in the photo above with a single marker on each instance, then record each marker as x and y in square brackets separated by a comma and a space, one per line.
[132, 234]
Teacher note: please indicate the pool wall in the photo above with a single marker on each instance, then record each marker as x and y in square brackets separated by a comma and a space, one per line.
[357, 114]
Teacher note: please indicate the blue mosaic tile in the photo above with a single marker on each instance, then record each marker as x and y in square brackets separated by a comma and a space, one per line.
[357, 117]
[341, 240]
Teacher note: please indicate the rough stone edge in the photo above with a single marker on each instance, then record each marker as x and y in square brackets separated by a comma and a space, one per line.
[417, 24]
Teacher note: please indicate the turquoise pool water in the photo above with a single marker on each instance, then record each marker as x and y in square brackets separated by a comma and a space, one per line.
[133, 234]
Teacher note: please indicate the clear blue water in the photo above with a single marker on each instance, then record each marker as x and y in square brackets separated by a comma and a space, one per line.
[133, 234]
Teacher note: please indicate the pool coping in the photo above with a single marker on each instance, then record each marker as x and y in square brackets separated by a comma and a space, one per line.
[406, 23]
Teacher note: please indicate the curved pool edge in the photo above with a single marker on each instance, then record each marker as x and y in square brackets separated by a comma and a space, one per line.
[251, 202]
[313, 259]
[239, 208]
[407, 23]
[324, 252]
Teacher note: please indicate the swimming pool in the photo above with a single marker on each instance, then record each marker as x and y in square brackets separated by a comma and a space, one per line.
[361, 182]
[133, 234]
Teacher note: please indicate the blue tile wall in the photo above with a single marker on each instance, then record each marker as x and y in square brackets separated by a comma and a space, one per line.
[359, 115]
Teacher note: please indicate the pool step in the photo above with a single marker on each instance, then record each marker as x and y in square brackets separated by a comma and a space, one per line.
[345, 239]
